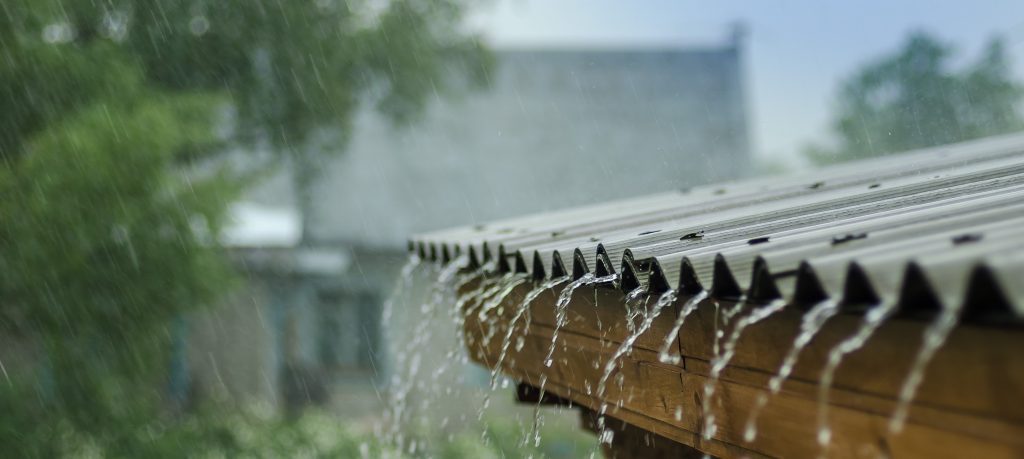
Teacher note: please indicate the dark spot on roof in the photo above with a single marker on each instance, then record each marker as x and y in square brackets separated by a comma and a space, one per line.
[595, 239]
[836, 240]
[966, 238]
[816, 185]
[874, 185]
[695, 235]
[479, 227]
[648, 232]
[759, 240]
[557, 233]
[720, 191]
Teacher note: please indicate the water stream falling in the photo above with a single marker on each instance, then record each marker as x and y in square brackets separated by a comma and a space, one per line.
[538, 420]
[630, 304]
[524, 306]
[934, 337]
[722, 359]
[872, 320]
[670, 339]
[457, 354]
[464, 298]
[810, 324]
[404, 280]
[522, 310]
[410, 357]
[561, 318]
[486, 299]
[458, 312]
[504, 287]
[507, 284]
[666, 299]
[562, 307]
[404, 360]
[468, 302]
[721, 321]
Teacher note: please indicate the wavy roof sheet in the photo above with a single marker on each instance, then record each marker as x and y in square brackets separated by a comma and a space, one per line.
[932, 228]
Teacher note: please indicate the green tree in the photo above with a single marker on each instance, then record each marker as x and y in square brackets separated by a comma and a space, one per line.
[109, 222]
[914, 98]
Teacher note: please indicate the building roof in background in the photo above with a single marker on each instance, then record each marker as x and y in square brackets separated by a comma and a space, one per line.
[267, 239]
[252, 225]
[934, 228]
[556, 129]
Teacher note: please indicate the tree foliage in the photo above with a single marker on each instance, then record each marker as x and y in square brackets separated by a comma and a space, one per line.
[109, 230]
[914, 98]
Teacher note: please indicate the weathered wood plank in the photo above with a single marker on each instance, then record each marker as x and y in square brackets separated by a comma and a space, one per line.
[961, 409]
[977, 371]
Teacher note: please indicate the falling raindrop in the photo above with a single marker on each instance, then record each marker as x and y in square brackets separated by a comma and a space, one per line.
[199, 25]
[115, 25]
[58, 32]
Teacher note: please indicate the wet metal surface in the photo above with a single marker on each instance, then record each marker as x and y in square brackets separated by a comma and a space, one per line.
[928, 230]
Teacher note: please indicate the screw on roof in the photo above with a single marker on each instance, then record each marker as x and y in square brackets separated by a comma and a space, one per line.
[694, 235]
[836, 240]
[966, 238]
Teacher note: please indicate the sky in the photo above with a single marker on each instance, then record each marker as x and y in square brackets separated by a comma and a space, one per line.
[797, 51]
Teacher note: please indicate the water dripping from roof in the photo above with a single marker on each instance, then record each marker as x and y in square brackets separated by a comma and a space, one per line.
[562, 308]
[810, 325]
[520, 311]
[934, 337]
[626, 347]
[670, 339]
[724, 355]
[872, 321]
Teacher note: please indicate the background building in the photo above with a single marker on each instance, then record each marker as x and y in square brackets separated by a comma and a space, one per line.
[556, 128]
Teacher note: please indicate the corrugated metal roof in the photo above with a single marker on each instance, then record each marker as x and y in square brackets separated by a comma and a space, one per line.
[936, 227]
